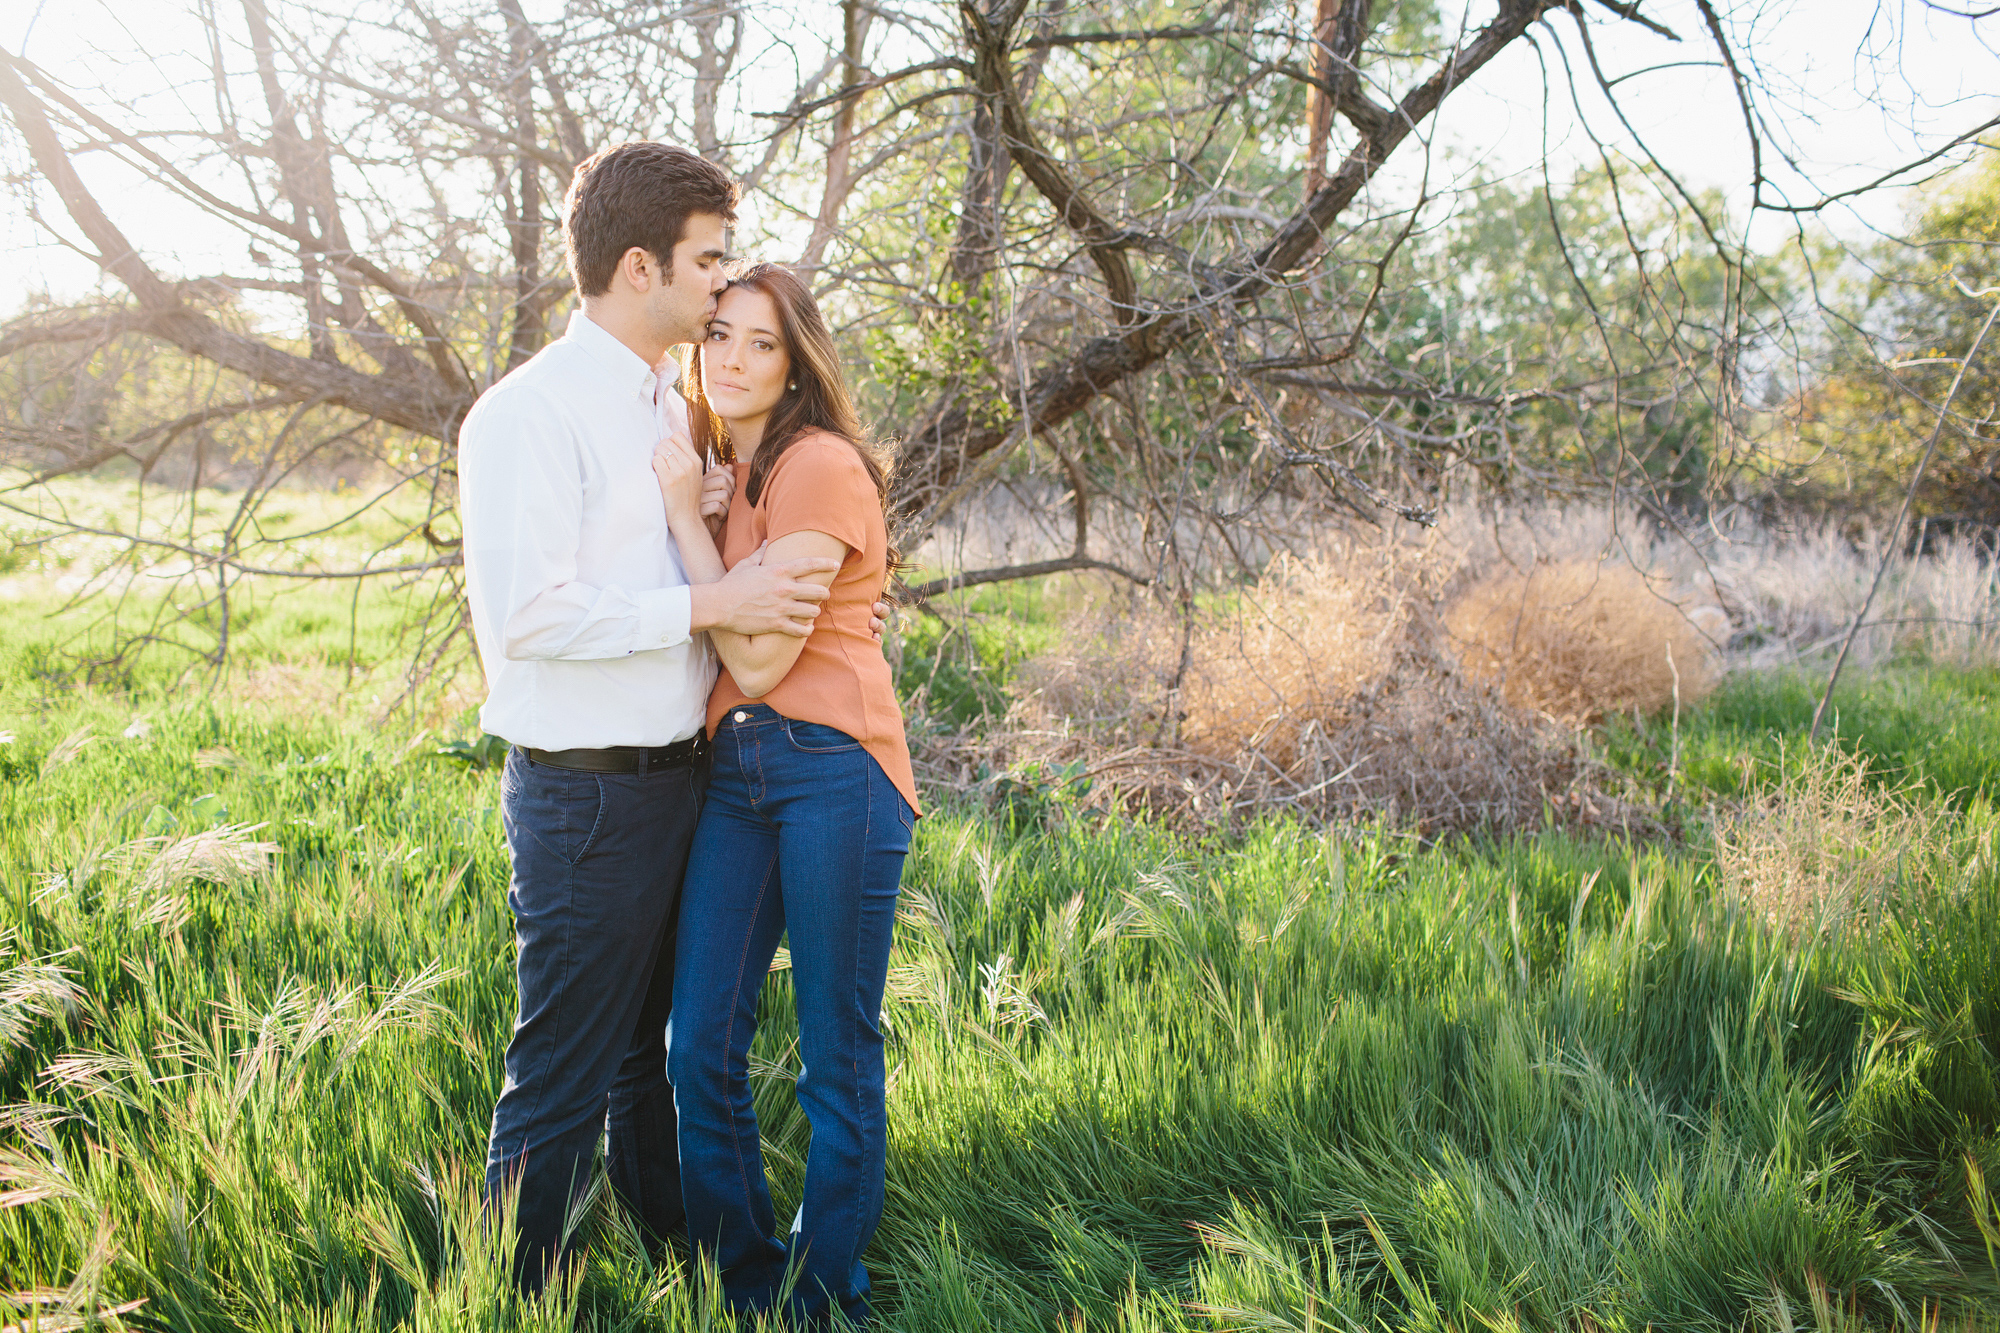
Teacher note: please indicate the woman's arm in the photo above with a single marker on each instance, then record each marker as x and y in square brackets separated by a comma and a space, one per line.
[760, 590]
[757, 662]
[683, 482]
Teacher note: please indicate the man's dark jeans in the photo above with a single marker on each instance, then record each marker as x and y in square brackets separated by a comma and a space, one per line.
[802, 829]
[598, 861]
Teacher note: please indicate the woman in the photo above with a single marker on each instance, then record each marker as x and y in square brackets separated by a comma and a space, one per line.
[808, 813]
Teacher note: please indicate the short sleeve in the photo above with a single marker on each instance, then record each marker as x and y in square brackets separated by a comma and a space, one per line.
[821, 485]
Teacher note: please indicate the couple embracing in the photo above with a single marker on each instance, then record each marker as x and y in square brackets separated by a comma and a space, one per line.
[669, 821]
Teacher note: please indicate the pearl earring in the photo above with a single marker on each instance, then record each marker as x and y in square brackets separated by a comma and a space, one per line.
[794, 386]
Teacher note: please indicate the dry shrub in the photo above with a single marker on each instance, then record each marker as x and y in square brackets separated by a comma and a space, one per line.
[1311, 643]
[1329, 690]
[1825, 845]
[1577, 640]
[1959, 586]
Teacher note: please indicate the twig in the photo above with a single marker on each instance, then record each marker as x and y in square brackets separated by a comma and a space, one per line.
[1674, 753]
[952, 583]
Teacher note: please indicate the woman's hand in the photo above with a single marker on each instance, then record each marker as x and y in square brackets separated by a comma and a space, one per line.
[718, 486]
[679, 471]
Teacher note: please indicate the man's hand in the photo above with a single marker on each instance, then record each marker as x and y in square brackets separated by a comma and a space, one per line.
[756, 598]
[878, 620]
[718, 485]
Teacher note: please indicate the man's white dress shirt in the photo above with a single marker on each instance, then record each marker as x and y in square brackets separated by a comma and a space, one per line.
[579, 601]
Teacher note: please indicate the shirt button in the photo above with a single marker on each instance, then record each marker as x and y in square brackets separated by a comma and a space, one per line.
[742, 717]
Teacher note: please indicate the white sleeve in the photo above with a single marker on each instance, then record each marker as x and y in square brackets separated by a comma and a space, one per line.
[521, 497]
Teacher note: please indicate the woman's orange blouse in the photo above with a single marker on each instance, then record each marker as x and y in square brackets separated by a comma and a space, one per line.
[841, 678]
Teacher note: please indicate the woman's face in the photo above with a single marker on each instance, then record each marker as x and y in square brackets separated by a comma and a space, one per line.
[744, 364]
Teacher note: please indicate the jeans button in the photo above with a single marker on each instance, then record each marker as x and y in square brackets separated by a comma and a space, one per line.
[742, 717]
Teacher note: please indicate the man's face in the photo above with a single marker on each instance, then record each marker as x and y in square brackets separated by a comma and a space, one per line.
[681, 306]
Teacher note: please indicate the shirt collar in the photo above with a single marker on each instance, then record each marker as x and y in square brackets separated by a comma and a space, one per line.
[624, 364]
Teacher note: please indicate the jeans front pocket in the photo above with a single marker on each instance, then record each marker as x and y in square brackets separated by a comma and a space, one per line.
[559, 809]
[818, 738]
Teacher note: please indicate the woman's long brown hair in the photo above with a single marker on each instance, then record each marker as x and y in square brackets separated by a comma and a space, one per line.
[821, 402]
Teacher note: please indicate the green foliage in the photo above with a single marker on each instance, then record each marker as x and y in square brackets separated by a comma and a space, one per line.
[489, 751]
[1141, 1082]
[959, 665]
[1603, 281]
[1907, 320]
[945, 351]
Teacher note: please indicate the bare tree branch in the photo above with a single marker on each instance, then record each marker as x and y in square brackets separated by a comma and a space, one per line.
[952, 438]
[429, 408]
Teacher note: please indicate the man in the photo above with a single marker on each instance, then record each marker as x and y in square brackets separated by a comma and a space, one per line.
[588, 632]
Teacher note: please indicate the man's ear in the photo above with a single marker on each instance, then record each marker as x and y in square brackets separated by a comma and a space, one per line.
[640, 269]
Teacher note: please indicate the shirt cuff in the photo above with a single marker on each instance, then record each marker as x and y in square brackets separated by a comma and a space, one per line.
[664, 614]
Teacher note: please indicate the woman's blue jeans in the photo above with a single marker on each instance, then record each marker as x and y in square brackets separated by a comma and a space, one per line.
[801, 831]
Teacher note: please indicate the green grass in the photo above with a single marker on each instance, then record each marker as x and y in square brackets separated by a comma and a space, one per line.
[1141, 1082]
[1914, 722]
[959, 662]
[74, 612]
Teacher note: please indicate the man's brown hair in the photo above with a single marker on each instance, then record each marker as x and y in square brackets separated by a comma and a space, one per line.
[639, 193]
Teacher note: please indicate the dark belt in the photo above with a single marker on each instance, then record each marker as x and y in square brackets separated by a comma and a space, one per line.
[626, 758]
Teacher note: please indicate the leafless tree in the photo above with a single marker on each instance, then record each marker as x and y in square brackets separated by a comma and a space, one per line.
[1166, 270]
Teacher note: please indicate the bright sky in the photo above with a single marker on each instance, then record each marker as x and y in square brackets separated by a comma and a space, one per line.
[1856, 87]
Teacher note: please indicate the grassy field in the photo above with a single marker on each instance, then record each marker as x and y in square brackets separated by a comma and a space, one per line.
[1280, 1081]
[255, 976]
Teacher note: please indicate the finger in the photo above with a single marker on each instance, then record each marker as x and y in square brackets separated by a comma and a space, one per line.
[680, 449]
[667, 463]
[808, 592]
